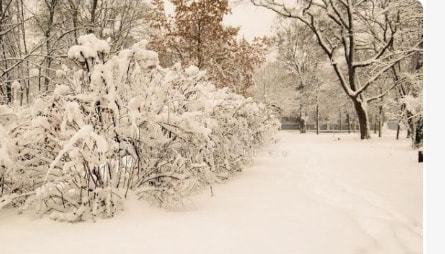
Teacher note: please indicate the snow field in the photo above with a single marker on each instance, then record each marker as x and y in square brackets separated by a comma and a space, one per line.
[304, 194]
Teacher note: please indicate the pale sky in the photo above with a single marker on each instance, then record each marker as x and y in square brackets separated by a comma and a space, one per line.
[252, 20]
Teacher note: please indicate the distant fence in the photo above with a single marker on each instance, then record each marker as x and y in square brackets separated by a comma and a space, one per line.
[294, 124]
[324, 128]
[290, 126]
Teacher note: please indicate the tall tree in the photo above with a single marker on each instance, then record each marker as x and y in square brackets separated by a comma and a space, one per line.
[200, 30]
[196, 35]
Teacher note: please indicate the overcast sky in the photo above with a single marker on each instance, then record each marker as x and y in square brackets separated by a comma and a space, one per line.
[253, 20]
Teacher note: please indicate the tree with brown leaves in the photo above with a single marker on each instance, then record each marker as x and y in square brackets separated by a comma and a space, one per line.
[196, 35]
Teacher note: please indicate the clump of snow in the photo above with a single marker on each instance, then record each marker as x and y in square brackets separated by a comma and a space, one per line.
[146, 58]
[72, 112]
[61, 90]
[135, 104]
[41, 121]
[75, 52]
[140, 45]
[39, 105]
[107, 31]
[95, 45]
[413, 104]
[15, 85]
[192, 71]
[101, 143]
[5, 148]
[89, 47]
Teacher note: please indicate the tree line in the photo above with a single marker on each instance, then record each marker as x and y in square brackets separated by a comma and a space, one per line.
[35, 36]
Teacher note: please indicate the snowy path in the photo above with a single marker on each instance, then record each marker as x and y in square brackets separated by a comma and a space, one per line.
[306, 194]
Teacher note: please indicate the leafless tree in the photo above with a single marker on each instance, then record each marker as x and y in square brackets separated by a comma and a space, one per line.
[356, 36]
[36, 36]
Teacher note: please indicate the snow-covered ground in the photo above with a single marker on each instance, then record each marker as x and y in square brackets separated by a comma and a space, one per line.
[306, 194]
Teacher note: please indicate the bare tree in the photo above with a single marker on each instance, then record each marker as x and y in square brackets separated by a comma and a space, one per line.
[37, 35]
[276, 89]
[5, 31]
[299, 53]
[356, 36]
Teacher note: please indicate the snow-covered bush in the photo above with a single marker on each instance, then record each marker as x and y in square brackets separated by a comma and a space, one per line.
[124, 124]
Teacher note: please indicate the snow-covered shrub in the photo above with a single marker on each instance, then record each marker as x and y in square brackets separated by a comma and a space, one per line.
[411, 103]
[126, 124]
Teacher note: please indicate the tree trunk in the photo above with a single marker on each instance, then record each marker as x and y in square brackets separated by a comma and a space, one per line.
[92, 17]
[380, 128]
[380, 120]
[6, 75]
[363, 121]
[340, 128]
[409, 130]
[380, 114]
[348, 123]
[402, 110]
[47, 34]
[48, 63]
[40, 79]
[375, 123]
[317, 120]
[27, 82]
[303, 126]
[74, 5]
[419, 132]
[302, 121]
